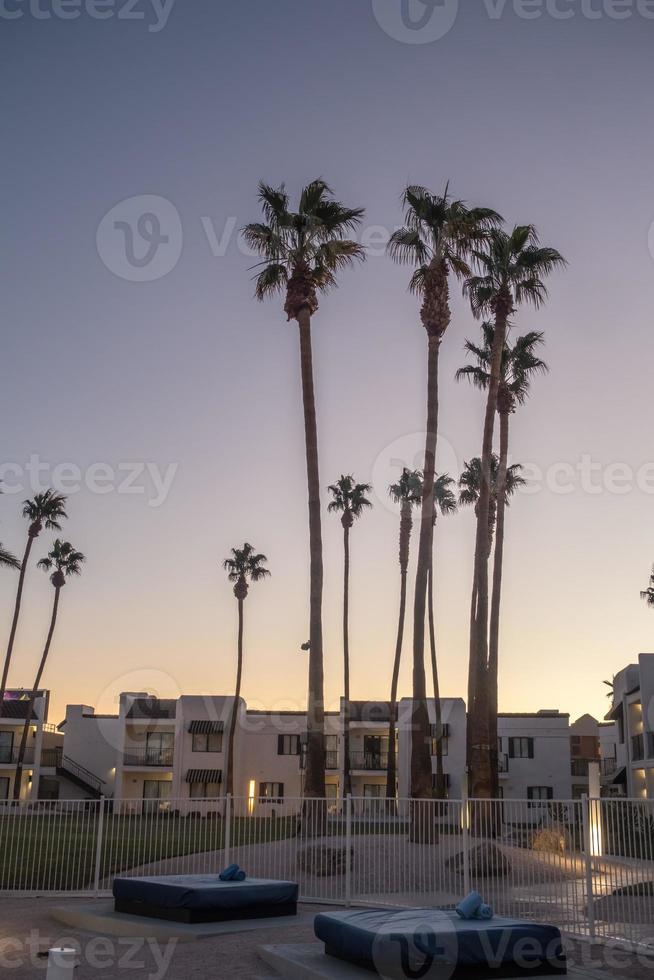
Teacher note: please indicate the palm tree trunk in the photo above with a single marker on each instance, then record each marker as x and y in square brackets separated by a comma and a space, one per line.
[14, 621]
[421, 783]
[314, 783]
[35, 687]
[347, 782]
[405, 537]
[434, 674]
[493, 647]
[229, 785]
[479, 765]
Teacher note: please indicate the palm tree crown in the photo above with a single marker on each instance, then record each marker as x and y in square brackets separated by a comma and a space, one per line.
[302, 250]
[444, 497]
[45, 510]
[519, 363]
[245, 563]
[471, 479]
[438, 236]
[408, 488]
[648, 593]
[349, 498]
[512, 267]
[7, 559]
[63, 561]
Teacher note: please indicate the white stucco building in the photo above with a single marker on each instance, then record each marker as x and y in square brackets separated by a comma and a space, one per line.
[632, 712]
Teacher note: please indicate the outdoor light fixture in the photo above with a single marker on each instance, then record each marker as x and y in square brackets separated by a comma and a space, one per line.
[251, 788]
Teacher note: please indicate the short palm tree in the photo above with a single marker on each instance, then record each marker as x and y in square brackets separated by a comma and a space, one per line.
[349, 500]
[45, 509]
[648, 593]
[438, 236]
[244, 564]
[407, 492]
[520, 362]
[444, 503]
[302, 251]
[512, 268]
[62, 562]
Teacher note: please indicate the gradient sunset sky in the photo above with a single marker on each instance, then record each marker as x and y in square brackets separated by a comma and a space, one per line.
[547, 120]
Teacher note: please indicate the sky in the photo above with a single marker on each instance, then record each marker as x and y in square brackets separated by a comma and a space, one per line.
[141, 377]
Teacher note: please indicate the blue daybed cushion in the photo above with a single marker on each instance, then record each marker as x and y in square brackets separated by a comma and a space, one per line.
[204, 892]
[382, 938]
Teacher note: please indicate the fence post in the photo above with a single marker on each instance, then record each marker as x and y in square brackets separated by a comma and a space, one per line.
[228, 828]
[348, 850]
[98, 847]
[465, 827]
[588, 860]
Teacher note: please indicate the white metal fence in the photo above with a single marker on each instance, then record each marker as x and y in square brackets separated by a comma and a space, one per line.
[586, 866]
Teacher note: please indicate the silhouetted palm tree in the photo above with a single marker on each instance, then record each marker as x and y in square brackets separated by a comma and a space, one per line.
[243, 564]
[648, 593]
[520, 363]
[302, 251]
[407, 492]
[513, 267]
[437, 238]
[349, 500]
[444, 503]
[62, 561]
[44, 510]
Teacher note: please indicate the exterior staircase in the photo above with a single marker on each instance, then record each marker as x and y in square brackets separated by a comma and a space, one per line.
[74, 772]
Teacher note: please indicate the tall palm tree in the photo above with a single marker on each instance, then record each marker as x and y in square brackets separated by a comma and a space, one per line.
[44, 510]
[648, 593]
[349, 500]
[438, 236]
[62, 561]
[444, 503]
[302, 251]
[520, 362]
[512, 269]
[407, 492]
[243, 564]
[7, 559]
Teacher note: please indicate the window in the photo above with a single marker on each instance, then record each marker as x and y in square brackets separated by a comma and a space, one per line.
[159, 748]
[540, 793]
[204, 791]
[207, 742]
[4, 787]
[288, 745]
[156, 793]
[6, 746]
[271, 792]
[521, 748]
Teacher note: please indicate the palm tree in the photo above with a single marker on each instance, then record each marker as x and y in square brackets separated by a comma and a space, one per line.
[302, 251]
[437, 238]
[648, 593]
[512, 270]
[243, 564]
[444, 503]
[407, 492]
[7, 560]
[349, 500]
[62, 561]
[44, 510]
[520, 363]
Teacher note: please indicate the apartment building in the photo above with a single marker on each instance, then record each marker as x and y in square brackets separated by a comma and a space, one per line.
[632, 712]
[535, 762]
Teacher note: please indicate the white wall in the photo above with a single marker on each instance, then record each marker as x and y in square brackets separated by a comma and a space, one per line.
[551, 763]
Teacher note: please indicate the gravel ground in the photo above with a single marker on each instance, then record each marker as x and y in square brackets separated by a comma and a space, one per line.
[26, 927]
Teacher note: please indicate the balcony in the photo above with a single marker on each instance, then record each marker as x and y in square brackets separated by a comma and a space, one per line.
[637, 748]
[608, 768]
[143, 756]
[9, 757]
[369, 761]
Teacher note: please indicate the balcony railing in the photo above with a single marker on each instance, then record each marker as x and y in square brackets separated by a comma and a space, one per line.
[637, 747]
[148, 756]
[9, 757]
[369, 761]
[607, 768]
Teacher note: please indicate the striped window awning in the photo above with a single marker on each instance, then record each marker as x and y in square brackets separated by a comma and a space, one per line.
[204, 776]
[206, 727]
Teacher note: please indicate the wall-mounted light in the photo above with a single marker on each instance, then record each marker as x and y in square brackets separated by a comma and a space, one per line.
[251, 789]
